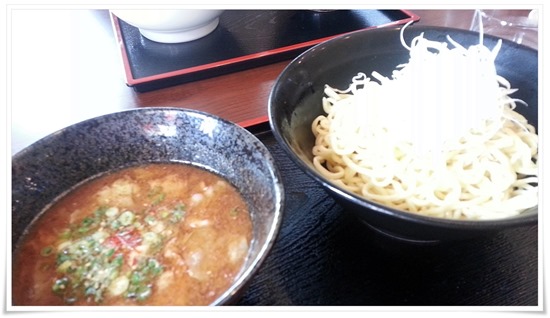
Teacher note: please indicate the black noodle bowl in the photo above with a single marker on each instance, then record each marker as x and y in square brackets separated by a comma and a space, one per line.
[295, 101]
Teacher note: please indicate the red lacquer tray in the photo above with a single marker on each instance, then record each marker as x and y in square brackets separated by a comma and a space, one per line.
[243, 39]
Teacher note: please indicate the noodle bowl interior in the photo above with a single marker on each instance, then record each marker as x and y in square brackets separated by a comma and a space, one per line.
[157, 234]
[450, 144]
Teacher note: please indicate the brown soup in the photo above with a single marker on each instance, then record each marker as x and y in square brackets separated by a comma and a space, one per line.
[158, 234]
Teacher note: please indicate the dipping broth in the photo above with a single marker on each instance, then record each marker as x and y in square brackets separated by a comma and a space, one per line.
[158, 234]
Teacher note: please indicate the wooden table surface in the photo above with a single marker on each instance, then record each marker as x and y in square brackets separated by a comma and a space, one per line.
[66, 67]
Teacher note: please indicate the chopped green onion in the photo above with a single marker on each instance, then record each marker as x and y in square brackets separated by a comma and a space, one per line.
[111, 212]
[62, 257]
[83, 229]
[158, 199]
[110, 252]
[64, 267]
[60, 285]
[156, 195]
[99, 212]
[70, 299]
[153, 266]
[143, 292]
[136, 277]
[150, 219]
[126, 218]
[46, 251]
[65, 234]
[90, 291]
[87, 222]
[151, 238]
[115, 225]
[177, 214]
[119, 260]
[90, 268]
[165, 213]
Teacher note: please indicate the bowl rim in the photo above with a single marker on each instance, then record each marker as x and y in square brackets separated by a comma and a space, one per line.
[51, 135]
[530, 216]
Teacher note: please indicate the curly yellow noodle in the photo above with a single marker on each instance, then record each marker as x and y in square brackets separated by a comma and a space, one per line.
[488, 171]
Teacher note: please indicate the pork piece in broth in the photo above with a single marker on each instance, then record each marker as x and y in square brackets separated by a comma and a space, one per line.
[158, 234]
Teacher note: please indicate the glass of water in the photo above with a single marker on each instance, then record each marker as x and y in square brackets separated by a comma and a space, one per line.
[520, 26]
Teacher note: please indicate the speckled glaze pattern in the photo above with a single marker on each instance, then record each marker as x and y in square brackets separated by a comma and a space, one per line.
[54, 165]
[295, 101]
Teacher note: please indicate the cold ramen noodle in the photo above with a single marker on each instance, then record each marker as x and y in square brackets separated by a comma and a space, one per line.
[158, 234]
[441, 137]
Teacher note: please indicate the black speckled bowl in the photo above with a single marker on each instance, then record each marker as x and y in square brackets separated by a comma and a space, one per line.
[57, 163]
[295, 101]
